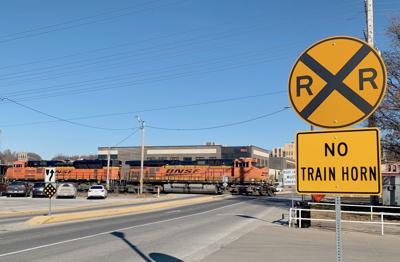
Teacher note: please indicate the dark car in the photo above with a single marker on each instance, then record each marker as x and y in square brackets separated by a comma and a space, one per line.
[38, 189]
[3, 189]
[18, 188]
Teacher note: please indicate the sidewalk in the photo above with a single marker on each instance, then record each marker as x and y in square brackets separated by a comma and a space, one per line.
[274, 242]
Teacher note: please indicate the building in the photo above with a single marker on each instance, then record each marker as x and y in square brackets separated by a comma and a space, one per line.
[287, 151]
[277, 152]
[281, 163]
[186, 153]
[22, 156]
[391, 184]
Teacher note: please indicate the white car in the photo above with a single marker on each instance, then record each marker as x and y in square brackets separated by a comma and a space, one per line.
[97, 191]
[66, 190]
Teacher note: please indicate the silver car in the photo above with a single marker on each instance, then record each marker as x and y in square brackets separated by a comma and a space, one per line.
[66, 190]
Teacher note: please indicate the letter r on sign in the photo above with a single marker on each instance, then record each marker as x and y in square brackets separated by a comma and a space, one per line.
[304, 82]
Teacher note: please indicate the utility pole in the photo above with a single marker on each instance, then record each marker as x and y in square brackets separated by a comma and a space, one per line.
[141, 125]
[108, 168]
[370, 39]
[370, 21]
[369, 13]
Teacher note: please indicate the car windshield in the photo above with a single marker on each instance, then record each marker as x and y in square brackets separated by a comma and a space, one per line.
[39, 185]
[96, 187]
[66, 185]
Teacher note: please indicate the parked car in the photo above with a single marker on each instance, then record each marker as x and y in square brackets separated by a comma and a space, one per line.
[97, 191]
[38, 189]
[3, 189]
[278, 187]
[66, 190]
[18, 188]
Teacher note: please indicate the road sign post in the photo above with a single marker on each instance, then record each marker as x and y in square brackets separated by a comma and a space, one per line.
[338, 82]
[50, 175]
[49, 191]
[339, 250]
[49, 206]
[338, 162]
[50, 179]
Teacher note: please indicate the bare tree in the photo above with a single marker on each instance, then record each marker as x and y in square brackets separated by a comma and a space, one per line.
[8, 157]
[34, 156]
[388, 115]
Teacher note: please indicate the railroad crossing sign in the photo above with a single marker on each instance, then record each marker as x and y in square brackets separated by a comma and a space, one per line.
[50, 175]
[49, 190]
[337, 82]
[339, 162]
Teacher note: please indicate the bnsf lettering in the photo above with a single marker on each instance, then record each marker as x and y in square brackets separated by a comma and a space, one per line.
[182, 171]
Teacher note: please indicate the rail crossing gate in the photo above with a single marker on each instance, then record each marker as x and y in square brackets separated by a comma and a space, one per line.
[336, 83]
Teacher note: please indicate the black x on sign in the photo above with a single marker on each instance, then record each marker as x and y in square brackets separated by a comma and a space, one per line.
[337, 82]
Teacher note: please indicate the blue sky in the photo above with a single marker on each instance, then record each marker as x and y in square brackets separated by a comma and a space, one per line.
[78, 59]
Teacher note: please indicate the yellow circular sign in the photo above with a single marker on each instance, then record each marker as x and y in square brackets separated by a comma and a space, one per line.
[337, 82]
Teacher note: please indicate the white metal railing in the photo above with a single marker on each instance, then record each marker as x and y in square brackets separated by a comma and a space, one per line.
[294, 211]
[371, 207]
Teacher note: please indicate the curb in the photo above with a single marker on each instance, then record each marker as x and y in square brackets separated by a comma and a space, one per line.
[41, 220]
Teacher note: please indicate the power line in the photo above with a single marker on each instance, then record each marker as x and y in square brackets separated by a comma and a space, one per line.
[176, 45]
[220, 126]
[129, 43]
[62, 119]
[25, 34]
[68, 74]
[126, 138]
[150, 76]
[111, 66]
[165, 108]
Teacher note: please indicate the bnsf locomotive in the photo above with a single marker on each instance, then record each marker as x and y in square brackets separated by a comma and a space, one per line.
[241, 176]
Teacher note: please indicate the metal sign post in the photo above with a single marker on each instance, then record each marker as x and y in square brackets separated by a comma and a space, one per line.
[49, 206]
[339, 252]
[338, 82]
[50, 191]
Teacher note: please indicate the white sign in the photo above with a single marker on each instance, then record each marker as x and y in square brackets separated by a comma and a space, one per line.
[289, 177]
[50, 175]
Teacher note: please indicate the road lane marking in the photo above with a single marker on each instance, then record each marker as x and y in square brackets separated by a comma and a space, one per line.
[173, 211]
[111, 231]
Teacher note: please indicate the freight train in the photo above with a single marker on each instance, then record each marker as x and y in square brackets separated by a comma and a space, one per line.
[240, 176]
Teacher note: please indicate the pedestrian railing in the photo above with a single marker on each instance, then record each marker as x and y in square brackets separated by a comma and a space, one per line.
[295, 214]
[370, 207]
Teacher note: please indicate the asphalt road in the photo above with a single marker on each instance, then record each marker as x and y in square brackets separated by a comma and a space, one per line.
[189, 233]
